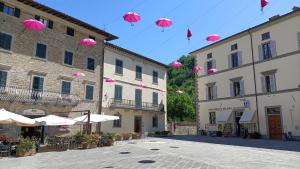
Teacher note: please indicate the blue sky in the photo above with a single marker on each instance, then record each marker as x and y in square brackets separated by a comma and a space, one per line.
[204, 17]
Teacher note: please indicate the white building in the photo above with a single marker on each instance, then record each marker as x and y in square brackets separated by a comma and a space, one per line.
[141, 109]
[257, 85]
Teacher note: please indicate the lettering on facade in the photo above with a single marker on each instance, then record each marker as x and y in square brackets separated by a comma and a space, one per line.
[226, 108]
[33, 112]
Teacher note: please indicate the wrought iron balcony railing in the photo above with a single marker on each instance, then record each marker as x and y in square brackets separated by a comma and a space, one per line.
[21, 94]
[133, 104]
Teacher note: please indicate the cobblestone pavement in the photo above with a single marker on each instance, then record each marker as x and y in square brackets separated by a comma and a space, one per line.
[164, 153]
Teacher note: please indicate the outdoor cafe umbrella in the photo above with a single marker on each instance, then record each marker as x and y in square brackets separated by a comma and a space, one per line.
[95, 118]
[52, 120]
[7, 117]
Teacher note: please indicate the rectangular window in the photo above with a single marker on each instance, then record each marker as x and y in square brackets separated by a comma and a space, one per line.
[234, 47]
[209, 56]
[10, 10]
[89, 92]
[155, 77]
[65, 88]
[68, 59]
[154, 121]
[235, 60]
[138, 72]
[117, 123]
[269, 83]
[265, 36]
[155, 98]
[236, 89]
[267, 51]
[46, 22]
[209, 65]
[91, 64]
[138, 98]
[5, 41]
[92, 37]
[3, 79]
[41, 51]
[210, 90]
[70, 31]
[212, 117]
[37, 87]
[118, 92]
[119, 66]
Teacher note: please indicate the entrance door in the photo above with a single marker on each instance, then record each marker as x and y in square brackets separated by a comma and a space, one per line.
[274, 122]
[138, 124]
[238, 116]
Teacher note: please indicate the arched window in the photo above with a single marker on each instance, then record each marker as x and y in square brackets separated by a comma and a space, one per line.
[117, 123]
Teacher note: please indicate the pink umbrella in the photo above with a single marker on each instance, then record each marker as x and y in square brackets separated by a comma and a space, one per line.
[164, 22]
[189, 34]
[78, 74]
[212, 70]
[176, 64]
[33, 24]
[110, 80]
[263, 3]
[197, 69]
[140, 85]
[132, 17]
[179, 92]
[88, 42]
[212, 38]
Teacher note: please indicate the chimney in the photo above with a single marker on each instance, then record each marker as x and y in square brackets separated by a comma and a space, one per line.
[296, 8]
[274, 17]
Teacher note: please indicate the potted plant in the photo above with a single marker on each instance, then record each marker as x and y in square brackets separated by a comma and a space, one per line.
[89, 141]
[118, 137]
[26, 147]
[127, 136]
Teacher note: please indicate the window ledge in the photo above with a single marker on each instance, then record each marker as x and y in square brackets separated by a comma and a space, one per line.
[139, 79]
[88, 101]
[89, 70]
[118, 74]
[41, 59]
[71, 66]
[154, 83]
[5, 51]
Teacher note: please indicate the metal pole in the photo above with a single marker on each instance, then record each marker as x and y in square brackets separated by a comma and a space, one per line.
[88, 122]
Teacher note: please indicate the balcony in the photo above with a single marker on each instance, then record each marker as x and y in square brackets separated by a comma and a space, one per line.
[26, 95]
[132, 104]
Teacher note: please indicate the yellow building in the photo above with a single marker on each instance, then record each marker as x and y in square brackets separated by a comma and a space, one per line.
[141, 109]
[257, 85]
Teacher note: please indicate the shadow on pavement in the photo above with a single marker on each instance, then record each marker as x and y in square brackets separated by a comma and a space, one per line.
[255, 143]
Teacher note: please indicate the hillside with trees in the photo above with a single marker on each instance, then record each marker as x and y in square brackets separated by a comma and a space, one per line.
[181, 107]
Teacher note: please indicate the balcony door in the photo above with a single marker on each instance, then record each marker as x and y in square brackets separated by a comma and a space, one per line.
[138, 98]
[37, 87]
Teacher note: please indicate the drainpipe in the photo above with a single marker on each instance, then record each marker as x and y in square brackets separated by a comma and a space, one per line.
[101, 83]
[197, 99]
[254, 76]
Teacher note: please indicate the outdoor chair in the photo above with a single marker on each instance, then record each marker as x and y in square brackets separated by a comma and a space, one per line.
[5, 150]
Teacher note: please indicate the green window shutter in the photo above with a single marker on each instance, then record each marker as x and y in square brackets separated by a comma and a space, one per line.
[50, 24]
[17, 12]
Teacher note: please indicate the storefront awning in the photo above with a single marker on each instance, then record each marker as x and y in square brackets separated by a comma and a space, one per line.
[247, 117]
[223, 117]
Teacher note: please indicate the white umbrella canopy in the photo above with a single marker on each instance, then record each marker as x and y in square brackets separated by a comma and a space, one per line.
[52, 120]
[96, 118]
[7, 117]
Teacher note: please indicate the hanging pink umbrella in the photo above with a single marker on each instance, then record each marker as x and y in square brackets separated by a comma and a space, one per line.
[110, 80]
[164, 22]
[140, 85]
[263, 3]
[132, 17]
[88, 42]
[179, 91]
[212, 70]
[33, 24]
[212, 38]
[189, 34]
[162, 90]
[197, 69]
[78, 74]
[176, 64]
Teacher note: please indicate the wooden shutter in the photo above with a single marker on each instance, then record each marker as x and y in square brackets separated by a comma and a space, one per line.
[1, 6]
[260, 53]
[205, 67]
[231, 89]
[273, 48]
[263, 84]
[229, 61]
[215, 94]
[17, 12]
[50, 24]
[41, 84]
[242, 88]
[240, 61]
[298, 39]
[3, 78]
[273, 82]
